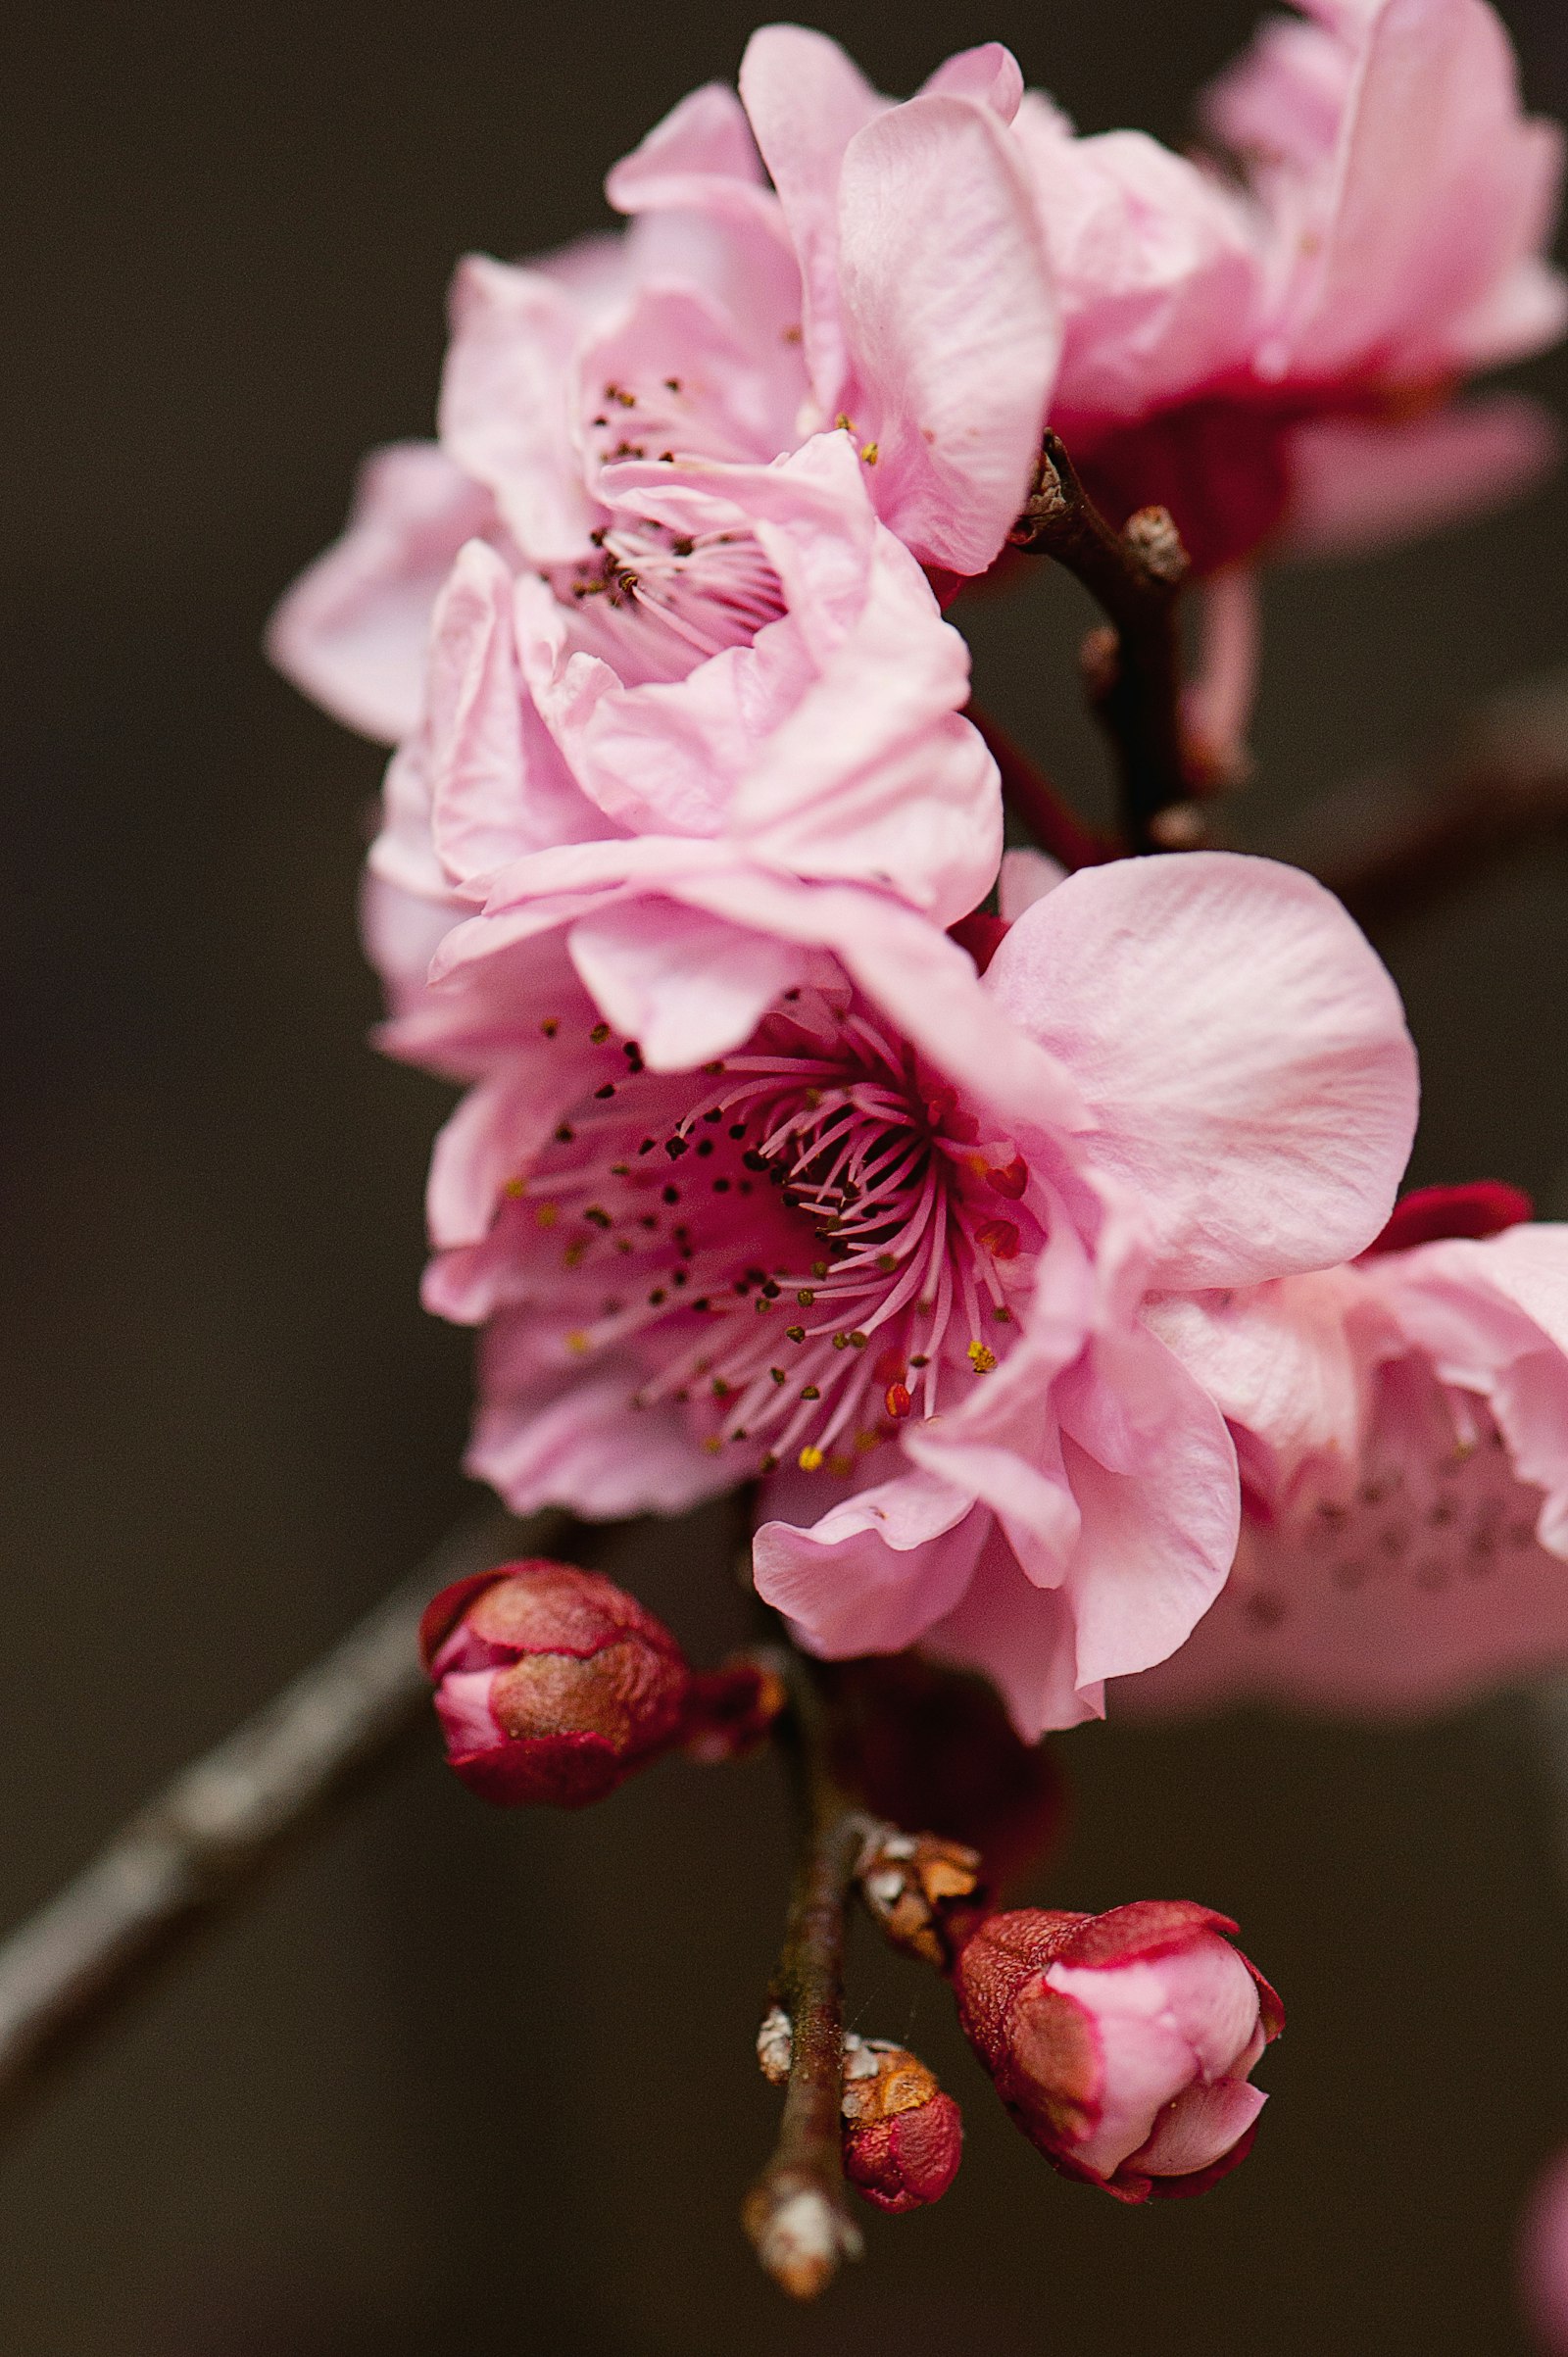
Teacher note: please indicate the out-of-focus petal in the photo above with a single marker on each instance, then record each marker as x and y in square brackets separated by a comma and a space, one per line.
[1357, 485]
[352, 630]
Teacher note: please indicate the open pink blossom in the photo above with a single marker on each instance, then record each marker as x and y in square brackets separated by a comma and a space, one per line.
[1402, 1431]
[889, 1250]
[893, 289]
[1122, 2043]
[690, 816]
[1401, 206]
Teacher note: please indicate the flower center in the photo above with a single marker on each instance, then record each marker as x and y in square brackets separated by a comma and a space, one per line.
[813, 1240]
[685, 597]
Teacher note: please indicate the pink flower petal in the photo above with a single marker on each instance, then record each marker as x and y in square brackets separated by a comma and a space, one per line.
[952, 324]
[1154, 1473]
[806, 101]
[1241, 1047]
[1144, 2061]
[1358, 484]
[685, 985]
[352, 630]
[568, 1441]
[989, 73]
[1199, 2129]
[877, 1569]
[1021, 1638]
[504, 412]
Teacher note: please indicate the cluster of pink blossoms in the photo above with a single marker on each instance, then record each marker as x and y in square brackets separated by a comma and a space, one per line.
[1052, 1307]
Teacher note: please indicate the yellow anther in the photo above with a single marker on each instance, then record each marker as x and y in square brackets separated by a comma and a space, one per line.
[810, 1461]
[981, 1359]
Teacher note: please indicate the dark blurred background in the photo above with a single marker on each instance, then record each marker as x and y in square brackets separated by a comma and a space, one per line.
[460, 2080]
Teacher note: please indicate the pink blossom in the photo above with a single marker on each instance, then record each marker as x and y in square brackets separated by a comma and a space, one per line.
[686, 811]
[890, 1248]
[1122, 2043]
[1544, 2258]
[893, 289]
[1302, 334]
[1402, 1431]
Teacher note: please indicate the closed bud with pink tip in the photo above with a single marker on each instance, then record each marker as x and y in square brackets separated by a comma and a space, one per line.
[1122, 2042]
[551, 1685]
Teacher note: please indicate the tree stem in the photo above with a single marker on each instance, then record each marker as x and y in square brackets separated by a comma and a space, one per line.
[212, 1831]
[1133, 671]
[797, 2213]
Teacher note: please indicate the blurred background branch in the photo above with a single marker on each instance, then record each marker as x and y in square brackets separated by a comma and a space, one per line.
[212, 1833]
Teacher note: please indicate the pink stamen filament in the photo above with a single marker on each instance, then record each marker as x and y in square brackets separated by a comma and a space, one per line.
[848, 1147]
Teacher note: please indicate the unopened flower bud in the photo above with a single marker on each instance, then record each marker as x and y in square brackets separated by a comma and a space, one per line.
[552, 1683]
[911, 1884]
[902, 2137]
[1121, 2042]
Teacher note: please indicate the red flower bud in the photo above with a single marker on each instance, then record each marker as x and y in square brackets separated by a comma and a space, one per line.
[1121, 2043]
[552, 1683]
[903, 2158]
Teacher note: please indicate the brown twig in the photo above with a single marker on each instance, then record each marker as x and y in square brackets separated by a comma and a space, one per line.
[210, 1834]
[797, 2213]
[1134, 670]
[1395, 846]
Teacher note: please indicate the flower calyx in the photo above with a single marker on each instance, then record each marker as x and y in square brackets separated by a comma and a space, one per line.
[920, 1890]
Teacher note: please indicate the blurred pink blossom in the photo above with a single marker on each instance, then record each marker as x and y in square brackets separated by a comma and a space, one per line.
[1402, 1431]
[892, 1249]
[1276, 360]
[1544, 2258]
[1122, 2043]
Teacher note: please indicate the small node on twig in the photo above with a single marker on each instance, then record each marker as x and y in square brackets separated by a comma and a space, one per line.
[800, 2238]
[1133, 671]
[910, 1883]
[1099, 663]
[1151, 535]
[902, 2137]
[1179, 826]
[774, 2045]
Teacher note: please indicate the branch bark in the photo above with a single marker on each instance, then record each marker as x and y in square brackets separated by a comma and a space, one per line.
[1134, 670]
[213, 1830]
[797, 2213]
